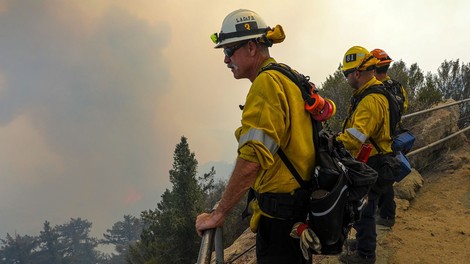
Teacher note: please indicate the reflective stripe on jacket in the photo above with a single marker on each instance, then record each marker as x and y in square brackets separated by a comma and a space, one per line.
[371, 118]
[274, 117]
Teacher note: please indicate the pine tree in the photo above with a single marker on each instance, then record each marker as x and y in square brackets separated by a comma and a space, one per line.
[453, 81]
[17, 249]
[337, 89]
[170, 236]
[429, 94]
[78, 246]
[122, 235]
[50, 247]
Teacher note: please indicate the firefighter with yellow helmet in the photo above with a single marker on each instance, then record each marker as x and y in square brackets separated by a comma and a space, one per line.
[273, 118]
[368, 122]
[358, 68]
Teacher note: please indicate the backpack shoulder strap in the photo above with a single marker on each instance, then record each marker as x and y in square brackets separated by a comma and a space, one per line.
[355, 100]
[373, 89]
[302, 82]
[395, 88]
[394, 108]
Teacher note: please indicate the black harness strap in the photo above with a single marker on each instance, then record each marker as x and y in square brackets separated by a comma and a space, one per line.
[394, 109]
[292, 169]
[302, 82]
[236, 34]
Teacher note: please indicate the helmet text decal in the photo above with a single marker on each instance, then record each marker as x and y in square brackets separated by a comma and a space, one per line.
[247, 26]
[350, 57]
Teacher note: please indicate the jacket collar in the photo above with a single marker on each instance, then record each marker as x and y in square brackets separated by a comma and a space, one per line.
[372, 82]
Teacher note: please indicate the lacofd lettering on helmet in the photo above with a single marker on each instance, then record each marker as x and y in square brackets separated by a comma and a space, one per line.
[239, 25]
[245, 18]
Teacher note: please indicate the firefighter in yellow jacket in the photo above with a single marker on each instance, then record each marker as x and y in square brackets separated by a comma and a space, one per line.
[386, 202]
[273, 117]
[381, 73]
[368, 121]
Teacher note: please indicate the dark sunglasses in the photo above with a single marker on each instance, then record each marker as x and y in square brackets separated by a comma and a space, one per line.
[229, 51]
[346, 73]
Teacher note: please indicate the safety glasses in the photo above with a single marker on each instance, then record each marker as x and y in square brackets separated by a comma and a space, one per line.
[346, 73]
[229, 51]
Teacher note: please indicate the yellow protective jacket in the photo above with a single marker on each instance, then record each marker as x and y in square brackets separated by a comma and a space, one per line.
[274, 117]
[370, 119]
[403, 91]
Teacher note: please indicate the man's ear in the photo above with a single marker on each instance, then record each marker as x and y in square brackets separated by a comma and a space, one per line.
[357, 74]
[252, 47]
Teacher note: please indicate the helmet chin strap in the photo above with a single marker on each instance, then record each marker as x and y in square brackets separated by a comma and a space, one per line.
[371, 67]
[263, 39]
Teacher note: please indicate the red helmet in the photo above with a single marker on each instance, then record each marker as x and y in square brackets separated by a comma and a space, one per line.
[382, 56]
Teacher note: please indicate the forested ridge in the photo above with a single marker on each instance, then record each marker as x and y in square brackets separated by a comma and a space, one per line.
[166, 234]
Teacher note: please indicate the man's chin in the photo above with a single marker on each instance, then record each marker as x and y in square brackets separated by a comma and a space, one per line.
[235, 74]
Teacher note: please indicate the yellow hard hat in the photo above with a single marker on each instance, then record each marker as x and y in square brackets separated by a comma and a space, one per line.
[358, 58]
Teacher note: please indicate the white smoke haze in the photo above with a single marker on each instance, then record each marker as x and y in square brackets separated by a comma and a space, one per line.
[95, 95]
[77, 112]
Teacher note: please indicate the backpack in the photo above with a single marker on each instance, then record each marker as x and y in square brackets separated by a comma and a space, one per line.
[338, 188]
[394, 105]
[394, 87]
[402, 139]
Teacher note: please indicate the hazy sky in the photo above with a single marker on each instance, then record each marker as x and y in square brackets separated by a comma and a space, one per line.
[95, 94]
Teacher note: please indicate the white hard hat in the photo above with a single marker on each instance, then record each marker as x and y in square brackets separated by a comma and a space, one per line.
[241, 24]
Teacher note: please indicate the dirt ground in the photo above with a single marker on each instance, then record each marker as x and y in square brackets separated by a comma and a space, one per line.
[436, 226]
